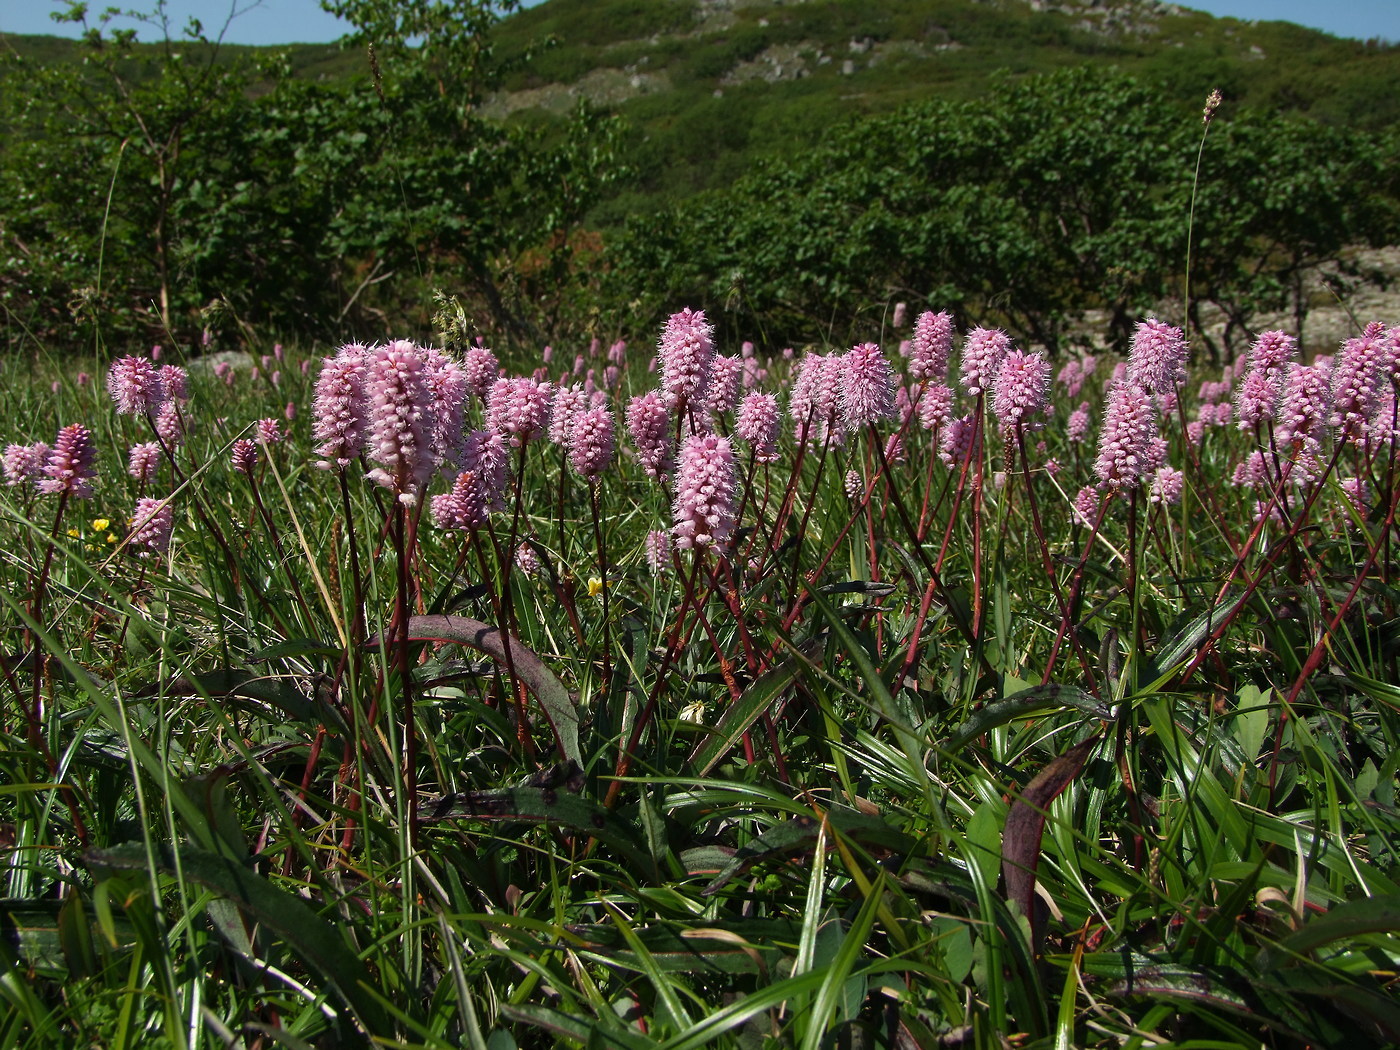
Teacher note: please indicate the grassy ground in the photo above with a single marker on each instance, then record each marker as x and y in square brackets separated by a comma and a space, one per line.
[917, 756]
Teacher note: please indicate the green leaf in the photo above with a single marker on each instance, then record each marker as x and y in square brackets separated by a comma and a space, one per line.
[316, 941]
[558, 705]
[1351, 919]
[740, 715]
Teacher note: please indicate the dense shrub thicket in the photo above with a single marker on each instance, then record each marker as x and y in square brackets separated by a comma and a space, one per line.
[175, 188]
[1060, 194]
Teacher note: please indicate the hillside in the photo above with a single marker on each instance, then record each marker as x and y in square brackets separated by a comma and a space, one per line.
[709, 86]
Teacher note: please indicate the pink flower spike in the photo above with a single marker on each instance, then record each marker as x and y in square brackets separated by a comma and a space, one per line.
[143, 461]
[982, 354]
[931, 347]
[176, 382]
[269, 432]
[518, 409]
[244, 456]
[23, 462]
[400, 419]
[593, 443]
[687, 352]
[151, 523]
[867, 393]
[705, 490]
[1157, 362]
[658, 551]
[135, 385]
[339, 409]
[759, 423]
[481, 369]
[649, 425]
[1022, 388]
[69, 464]
[1126, 442]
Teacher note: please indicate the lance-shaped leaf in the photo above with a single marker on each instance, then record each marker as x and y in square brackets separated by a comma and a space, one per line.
[740, 715]
[558, 705]
[544, 805]
[1024, 704]
[323, 950]
[1025, 825]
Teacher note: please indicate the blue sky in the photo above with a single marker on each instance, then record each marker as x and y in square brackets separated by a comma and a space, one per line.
[303, 21]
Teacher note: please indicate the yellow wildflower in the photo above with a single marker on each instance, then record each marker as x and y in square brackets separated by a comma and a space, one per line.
[595, 586]
[100, 524]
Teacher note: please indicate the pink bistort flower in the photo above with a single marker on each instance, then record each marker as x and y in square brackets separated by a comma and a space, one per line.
[867, 392]
[339, 407]
[1126, 441]
[658, 551]
[135, 386]
[758, 423]
[518, 409]
[151, 523]
[931, 346]
[593, 443]
[1021, 390]
[1157, 362]
[23, 462]
[705, 490]
[649, 424]
[982, 354]
[686, 352]
[69, 464]
[143, 461]
[400, 420]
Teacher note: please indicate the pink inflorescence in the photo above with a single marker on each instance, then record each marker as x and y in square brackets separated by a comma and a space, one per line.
[268, 431]
[176, 382]
[758, 424]
[723, 393]
[244, 456]
[399, 421]
[658, 551]
[686, 352]
[143, 461]
[23, 462]
[593, 443]
[1022, 388]
[339, 409]
[867, 393]
[1126, 446]
[649, 424]
[1166, 486]
[1304, 405]
[135, 385]
[481, 369]
[1157, 362]
[705, 489]
[931, 346]
[527, 560]
[815, 404]
[1256, 398]
[68, 467]
[981, 358]
[1356, 381]
[151, 523]
[1078, 426]
[569, 401]
[1272, 352]
[518, 409]
[935, 406]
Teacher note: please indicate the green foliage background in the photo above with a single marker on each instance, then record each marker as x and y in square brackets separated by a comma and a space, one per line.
[1017, 166]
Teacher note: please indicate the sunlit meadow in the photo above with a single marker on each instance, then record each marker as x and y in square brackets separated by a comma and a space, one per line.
[918, 694]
